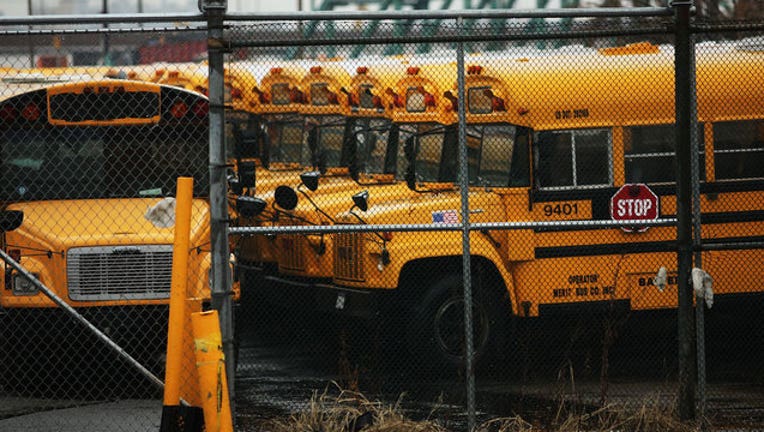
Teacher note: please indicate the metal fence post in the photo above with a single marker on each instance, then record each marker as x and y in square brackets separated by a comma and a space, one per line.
[222, 300]
[464, 186]
[684, 86]
[697, 241]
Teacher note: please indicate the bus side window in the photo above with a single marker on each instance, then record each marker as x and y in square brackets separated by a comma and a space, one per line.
[575, 158]
[739, 149]
[649, 153]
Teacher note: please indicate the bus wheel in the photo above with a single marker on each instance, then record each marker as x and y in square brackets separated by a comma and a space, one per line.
[436, 327]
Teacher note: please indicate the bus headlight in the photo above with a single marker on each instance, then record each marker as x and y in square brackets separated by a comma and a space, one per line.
[23, 286]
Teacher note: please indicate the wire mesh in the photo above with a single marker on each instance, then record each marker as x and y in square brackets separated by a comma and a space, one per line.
[351, 124]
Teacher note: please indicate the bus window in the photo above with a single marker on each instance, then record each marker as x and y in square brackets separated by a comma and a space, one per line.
[496, 154]
[435, 151]
[574, 159]
[331, 132]
[284, 139]
[739, 149]
[373, 138]
[649, 153]
[480, 101]
[474, 141]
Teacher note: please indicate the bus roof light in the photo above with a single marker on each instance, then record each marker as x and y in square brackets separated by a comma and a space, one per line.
[315, 70]
[474, 70]
[361, 70]
[276, 70]
[7, 113]
[261, 96]
[295, 95]
[173, 74]
[31, 112]
[397, 100]
[201, 108]
[497, 103]
[179, 109]
[412, 70]
[453, 99]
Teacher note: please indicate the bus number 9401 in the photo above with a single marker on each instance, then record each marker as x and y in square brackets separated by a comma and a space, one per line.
[561, 209]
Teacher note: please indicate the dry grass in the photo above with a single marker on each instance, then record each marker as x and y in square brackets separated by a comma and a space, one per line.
[350, 411]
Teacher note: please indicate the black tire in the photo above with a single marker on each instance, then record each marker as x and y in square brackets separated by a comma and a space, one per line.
[435, 330]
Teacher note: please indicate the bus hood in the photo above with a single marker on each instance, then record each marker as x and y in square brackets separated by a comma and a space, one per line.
[64, 224]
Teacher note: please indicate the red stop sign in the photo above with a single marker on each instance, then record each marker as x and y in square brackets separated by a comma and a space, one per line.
[634, 202]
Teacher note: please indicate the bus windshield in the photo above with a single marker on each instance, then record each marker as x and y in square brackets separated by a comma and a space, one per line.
[498, 155]
[326, 138]
[377, 146]
[284, 142]
[434, 151]
[41, 161]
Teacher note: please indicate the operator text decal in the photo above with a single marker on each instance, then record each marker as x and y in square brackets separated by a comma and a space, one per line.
[583, 285]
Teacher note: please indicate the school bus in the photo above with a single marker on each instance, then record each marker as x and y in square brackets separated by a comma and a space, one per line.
[554, 138]
[369, 157]
[89, 164]
[277, 141]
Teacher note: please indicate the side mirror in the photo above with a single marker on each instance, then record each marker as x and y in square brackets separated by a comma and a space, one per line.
[234, 185]
[361, 200]
[286, 197]
[310, 179]
[248, 206]
[247, 174]
[10, 220]
[265, 151]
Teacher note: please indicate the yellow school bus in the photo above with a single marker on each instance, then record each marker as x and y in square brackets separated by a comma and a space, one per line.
[557, 138]
[279, 140]
[369, 157]
[91, 165]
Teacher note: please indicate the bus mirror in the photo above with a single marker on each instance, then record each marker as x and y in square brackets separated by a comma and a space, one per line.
[265, 151]
[247, 174]
[361, 200]
[248, 206]
[313, 140]
[310, 179]
[286, 197]
[10, 220]
[234, 185]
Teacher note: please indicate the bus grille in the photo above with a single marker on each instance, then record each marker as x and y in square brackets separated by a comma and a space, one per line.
[348, 256]
[290, 255]
[119, 272]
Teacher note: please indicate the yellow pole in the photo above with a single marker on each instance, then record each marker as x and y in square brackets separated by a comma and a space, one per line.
[210, 365]
[178, 287]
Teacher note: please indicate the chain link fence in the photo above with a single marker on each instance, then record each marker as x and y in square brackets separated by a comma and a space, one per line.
[382, 174]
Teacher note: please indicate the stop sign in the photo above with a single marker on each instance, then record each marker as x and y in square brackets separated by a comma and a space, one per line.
[634, 202]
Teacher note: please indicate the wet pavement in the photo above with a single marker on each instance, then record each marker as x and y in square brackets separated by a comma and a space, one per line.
[279, 373]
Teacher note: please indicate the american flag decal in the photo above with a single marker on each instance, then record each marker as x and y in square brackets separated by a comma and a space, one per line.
[445, 217]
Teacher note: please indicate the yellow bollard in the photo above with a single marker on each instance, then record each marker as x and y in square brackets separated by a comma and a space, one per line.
[174, 415]
[178, 287]
[210, 364]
